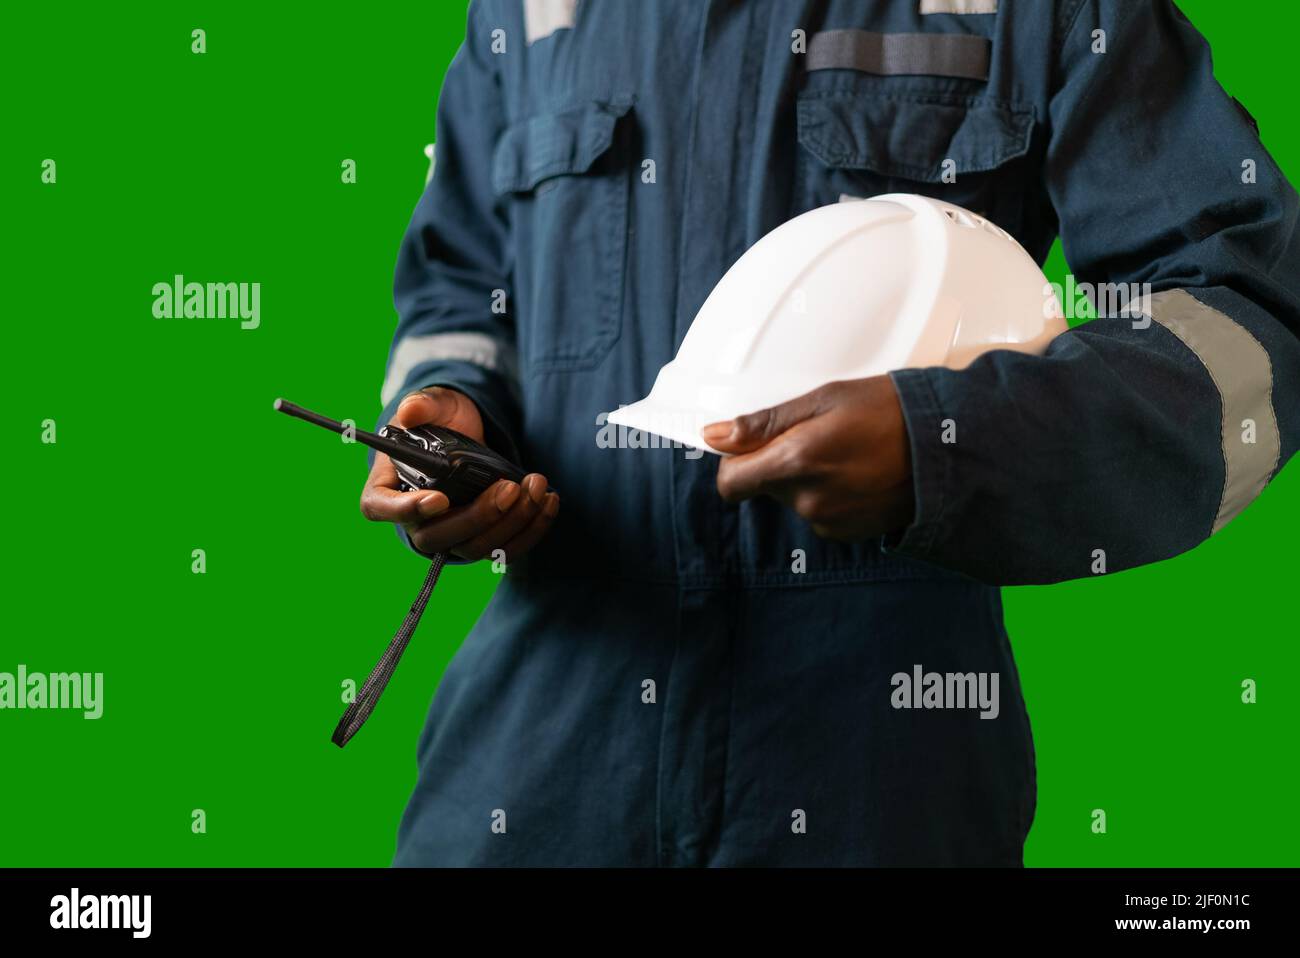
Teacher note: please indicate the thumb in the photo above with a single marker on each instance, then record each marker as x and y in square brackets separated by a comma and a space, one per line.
[753, 430]
[419, 408]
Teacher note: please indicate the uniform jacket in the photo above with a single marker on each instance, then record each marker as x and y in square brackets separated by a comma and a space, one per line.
[668, 679]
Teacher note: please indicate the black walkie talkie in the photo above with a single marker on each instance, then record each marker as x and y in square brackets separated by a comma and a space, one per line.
[426, 457]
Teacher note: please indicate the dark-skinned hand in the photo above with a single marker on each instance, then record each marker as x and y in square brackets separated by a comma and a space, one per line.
[511, 516]
[838, 456]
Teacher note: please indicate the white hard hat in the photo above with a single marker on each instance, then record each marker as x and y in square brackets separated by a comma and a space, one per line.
[846, 291]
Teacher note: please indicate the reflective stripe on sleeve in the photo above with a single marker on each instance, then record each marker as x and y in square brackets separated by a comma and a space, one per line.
[1243, 374]
[476, 348]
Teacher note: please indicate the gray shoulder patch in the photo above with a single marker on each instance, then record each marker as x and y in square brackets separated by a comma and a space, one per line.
[544, 17]
[895, 54]
[958, 6]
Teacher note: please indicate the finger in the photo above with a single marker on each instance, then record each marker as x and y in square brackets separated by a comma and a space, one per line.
[382, 502]
[422, 407]
[534, 531]
[444, 532]
[523, 512]
[769, 470]
[754, 430]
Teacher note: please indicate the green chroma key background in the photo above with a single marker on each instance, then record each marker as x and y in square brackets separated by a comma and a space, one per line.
[221, 690]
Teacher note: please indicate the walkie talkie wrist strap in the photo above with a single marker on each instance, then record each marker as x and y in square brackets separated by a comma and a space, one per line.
[377, 681]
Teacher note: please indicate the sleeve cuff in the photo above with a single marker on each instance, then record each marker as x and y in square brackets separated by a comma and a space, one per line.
[923, 417]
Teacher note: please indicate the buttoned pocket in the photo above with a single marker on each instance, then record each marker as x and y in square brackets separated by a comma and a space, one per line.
[568, 185]
[963, 149]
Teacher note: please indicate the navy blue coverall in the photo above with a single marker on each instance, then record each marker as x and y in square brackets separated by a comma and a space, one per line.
[671, 680]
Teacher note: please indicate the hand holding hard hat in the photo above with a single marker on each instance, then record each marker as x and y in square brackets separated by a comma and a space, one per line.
[784, 369]
[838, 456]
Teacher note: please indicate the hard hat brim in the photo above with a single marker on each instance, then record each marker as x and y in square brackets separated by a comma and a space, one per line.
[667, 422]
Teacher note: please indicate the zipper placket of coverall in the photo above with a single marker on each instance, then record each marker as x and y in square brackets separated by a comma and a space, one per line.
[696, 728]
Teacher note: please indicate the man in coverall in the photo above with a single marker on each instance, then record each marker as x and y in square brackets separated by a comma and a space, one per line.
[692, 666]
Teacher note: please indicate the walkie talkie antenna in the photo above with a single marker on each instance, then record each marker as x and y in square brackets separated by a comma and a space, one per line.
[411, 455]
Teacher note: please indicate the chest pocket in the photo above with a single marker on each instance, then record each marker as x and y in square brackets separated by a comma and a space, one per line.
[967, 150]
[568, 185]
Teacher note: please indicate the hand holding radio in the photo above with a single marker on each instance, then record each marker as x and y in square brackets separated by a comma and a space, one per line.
[512, 514]
[433, 474]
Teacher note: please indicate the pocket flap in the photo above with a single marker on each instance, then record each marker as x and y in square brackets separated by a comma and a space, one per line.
[551, 144]
[911, 136]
